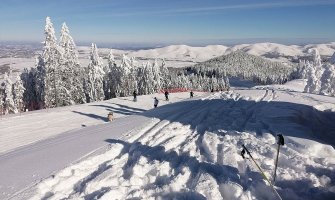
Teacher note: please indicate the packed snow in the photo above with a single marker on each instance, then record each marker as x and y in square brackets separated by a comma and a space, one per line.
[191, 149]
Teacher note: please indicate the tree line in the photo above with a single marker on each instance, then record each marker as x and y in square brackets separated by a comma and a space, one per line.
[58, 79]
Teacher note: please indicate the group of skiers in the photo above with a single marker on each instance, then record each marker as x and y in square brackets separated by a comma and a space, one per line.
[156, 101]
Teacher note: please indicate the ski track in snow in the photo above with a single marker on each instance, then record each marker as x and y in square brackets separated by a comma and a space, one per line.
[191, 150]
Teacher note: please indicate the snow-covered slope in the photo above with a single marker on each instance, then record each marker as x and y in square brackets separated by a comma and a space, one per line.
[25, 128]
[191, 150]
[269, 49]
[182, 52]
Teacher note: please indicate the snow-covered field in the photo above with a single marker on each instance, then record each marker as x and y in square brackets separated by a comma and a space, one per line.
[191, 149]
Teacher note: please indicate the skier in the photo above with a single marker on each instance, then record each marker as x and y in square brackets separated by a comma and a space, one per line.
[191, 94]
[155, 102]
[135, 95]
[166, 95]
[212, 90]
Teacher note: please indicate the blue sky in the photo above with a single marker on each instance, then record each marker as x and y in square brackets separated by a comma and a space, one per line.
[196, 22]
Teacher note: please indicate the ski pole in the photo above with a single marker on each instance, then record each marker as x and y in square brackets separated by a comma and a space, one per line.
[245, 150]
[280, 143]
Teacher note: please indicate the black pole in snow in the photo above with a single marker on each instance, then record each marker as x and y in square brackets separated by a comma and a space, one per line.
[245, 150]
[280, 143]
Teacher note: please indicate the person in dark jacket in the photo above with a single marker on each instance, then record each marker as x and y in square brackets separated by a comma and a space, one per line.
[191, 94]
[166, 95]
[135, 95]
[155, 102]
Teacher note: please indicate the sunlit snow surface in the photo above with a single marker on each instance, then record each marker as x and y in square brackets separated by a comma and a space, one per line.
[191, 150]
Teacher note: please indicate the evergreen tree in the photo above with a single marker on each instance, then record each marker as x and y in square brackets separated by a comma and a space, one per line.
[312, 81]
[18, 91]
[2, 98]
[48, 79]
[9, 105]
[156, 76]
[328, 80]
[113, 76]
[124, 72]
[94, 80]
[332, 59]
[71, 72]
[165, 76]
[29, 83]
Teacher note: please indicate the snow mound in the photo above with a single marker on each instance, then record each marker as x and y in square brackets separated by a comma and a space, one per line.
[325, 107]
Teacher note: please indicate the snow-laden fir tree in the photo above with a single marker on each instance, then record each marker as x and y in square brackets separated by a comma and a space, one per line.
[328, 80]
[2, 98]
[314, 72]
[312, 85]
[157, 76]
[30, 98]
[165, 76]
[332, 59]
[107, 76]
[125, 84]
[48, 81]
[9, 105]
[318, 67]
[149, 74]
[303, 68]
[71, 72]
[113, 76]
[18, 91]
[94, 78]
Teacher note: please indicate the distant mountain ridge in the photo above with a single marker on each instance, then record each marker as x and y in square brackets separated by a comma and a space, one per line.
[273, 51]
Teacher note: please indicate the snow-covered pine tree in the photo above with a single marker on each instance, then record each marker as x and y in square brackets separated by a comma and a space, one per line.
[107, 76]
[141, 82]
[332, 59]
[157, 76]
[150, 82]
[303, 68]
[328, 80]
[165, 76]
[226, 80]
[18, 91]
[132, 79]
[124, 72]
[2, 98]
[9, 105]
[94, 80]
[71, 72]
[48, 81]
[312, 81]
[29, 96]
[113, 76]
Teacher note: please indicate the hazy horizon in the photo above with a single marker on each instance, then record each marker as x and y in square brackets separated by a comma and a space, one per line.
[139, 45]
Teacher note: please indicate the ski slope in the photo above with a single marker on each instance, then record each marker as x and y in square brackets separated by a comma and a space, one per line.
[191, 150]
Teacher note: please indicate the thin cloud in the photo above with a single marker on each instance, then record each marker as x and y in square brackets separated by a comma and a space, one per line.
[200, 10]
